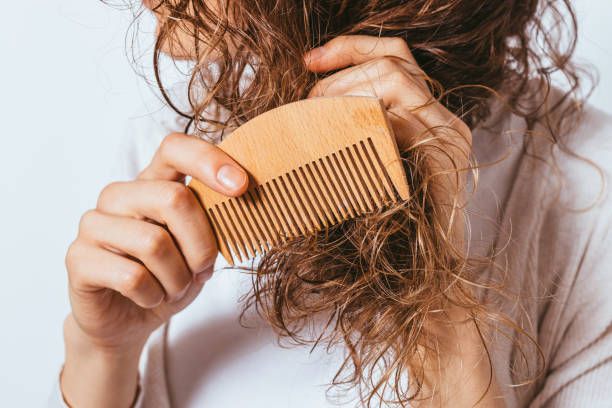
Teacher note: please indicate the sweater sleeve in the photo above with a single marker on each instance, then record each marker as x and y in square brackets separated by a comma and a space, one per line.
[57, 400]
[579, 364]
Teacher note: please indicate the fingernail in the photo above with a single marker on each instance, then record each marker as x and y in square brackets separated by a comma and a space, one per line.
[314, 54]
[231, 177]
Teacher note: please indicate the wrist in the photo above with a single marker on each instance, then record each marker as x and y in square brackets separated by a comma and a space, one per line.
[95, 375]
[77, 340]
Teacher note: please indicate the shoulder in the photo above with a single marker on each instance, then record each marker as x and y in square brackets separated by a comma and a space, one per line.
[584, 160]
[576, 163]
[574, 257]
[567, 178]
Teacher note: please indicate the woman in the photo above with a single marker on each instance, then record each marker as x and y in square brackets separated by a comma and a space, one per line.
[502, 301]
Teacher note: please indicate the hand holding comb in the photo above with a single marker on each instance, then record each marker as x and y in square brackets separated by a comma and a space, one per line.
[311, 164]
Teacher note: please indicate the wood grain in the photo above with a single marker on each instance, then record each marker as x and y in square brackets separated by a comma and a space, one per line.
[311, 164]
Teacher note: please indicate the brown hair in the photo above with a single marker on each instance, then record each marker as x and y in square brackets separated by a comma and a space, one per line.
[381, 278]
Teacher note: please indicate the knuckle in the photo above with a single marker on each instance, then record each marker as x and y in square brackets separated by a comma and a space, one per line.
[106, 193]
[399, 78]
[387, 65]
[178, 196]
[398, 43]
[399, 46]
[71, 261]
[155, 242]
[168, 142]
[206, 259]
[184, 281]
[133, 279]
[336, 43]
[171, 138]
[71, 255]
[320, 88]
[86, 223]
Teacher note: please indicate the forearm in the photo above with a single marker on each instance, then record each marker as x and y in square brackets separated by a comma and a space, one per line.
[97, 377]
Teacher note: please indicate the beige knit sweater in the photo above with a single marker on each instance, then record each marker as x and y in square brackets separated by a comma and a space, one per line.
[550, 223]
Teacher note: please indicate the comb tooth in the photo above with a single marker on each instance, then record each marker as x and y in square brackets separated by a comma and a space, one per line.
[350, 182]
[347, 156]
[277, 216]
[380, 169]
[243, 235]
[299, 183]
[297, 203]
[244, 219]
[332, 213]
[281, 207]
[378, 191]
[342, 181]
[335, 190]
[262, 206]
[285, 204]
[223, 219]
[223, 240]
[340, 185]
[254, 230]
[261, 225]
[313, 195]
[226, 219]
[367, 173]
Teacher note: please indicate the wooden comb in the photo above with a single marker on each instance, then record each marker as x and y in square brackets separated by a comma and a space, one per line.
[311, 164]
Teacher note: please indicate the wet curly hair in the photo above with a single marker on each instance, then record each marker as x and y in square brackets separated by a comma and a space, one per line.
[380, 279]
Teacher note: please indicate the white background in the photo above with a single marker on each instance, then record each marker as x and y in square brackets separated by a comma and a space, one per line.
[66, 91]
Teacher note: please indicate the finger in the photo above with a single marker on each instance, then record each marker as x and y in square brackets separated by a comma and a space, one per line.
[180, 155]
[380, 69]
[447, 151]
[343, 51]
[169, 309]
[388, 80]
[346, 50]
[168, 203]
[149, 243]
[410, 125]
[392, 74]
[416, 118]
[93, 268]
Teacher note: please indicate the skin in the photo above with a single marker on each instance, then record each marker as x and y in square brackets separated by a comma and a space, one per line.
[147, 249]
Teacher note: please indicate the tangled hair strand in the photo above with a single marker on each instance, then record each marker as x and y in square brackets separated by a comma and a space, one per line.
[380, 280]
